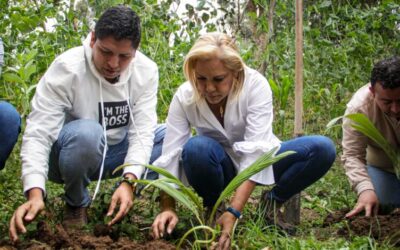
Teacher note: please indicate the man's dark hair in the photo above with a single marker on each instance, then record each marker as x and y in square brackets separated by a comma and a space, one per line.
[120, 22]
[387, 73]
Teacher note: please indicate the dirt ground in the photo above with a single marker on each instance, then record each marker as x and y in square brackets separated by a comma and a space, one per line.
[381, 227]
[102, 238]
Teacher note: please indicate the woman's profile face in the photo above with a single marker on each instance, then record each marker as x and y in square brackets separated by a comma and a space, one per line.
[214, 80]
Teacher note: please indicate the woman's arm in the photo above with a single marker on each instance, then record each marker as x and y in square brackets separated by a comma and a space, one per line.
[167, 217]
[177, 133]
[228, 219]
[242, 194]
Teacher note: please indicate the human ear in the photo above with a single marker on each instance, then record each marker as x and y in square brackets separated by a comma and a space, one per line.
[92, 39]
[372, 90]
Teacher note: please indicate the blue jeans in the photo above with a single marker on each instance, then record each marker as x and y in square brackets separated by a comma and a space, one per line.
[209, 169]
[313, 158]
[387, 186]
[76, 156]
[10, 127]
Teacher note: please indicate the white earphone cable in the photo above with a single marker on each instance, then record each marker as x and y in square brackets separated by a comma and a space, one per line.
[104, 125]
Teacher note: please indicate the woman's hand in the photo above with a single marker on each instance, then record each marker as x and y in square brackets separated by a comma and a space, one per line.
[227, 221]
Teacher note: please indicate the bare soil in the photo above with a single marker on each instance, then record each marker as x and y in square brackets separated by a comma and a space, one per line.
[381, 227]
[102, 238]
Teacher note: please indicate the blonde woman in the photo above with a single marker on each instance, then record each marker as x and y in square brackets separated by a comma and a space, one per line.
[230, 107]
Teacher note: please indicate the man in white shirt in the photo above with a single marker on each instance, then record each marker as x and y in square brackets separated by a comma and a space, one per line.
[93, 110]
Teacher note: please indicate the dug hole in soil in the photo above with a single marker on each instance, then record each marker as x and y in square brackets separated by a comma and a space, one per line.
[381, 227]
[102, 238]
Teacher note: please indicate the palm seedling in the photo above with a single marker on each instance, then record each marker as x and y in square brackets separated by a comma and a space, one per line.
[363, 125]
[188, 198]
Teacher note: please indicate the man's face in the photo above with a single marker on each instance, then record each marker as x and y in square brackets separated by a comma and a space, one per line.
[110, 56]
[388, 100]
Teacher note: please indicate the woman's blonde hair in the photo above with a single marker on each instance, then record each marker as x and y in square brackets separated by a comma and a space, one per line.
[215, 45]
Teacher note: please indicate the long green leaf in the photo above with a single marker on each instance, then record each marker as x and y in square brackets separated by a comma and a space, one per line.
[362, 124]
[154, 168]
[182, 186]
[261, 163]
[171, 179]
[12, 77]
[333, 122]
[164, 185]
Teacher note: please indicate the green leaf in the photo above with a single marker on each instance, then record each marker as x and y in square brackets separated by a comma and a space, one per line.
[171, 179]
[28, 70]
[333, 122]
[274, 87]
[30, 56]
[200, 4]
[31, 88]
[205, 17]
[261, 163]
[11, 77]
[362, 124]
[174, 180]
[164, 185]
[325, 4]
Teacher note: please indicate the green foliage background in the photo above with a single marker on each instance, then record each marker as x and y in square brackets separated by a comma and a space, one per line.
[342, 40]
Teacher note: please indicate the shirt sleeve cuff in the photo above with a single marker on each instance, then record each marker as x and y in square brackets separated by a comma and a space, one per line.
[135, 169]
[34, 181]
[362, 186]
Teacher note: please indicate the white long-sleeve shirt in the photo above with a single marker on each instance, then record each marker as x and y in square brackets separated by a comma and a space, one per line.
[247, 131]
[73, 89]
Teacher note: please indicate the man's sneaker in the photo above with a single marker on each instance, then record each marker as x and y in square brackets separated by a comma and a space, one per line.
[75, 217]
[271, 211]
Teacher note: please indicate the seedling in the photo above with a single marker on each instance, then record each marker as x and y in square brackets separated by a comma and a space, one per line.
[363, 125]
[176, 189]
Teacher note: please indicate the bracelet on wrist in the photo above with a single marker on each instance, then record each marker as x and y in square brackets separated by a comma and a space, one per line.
[235, 212]
[126, 180]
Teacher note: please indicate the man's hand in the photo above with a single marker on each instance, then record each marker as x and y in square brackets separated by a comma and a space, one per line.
[27, 212]
[227, 221]
[123, 196]
[167, 217]
[367, 201]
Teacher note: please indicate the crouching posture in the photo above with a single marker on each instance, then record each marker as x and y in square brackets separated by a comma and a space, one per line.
[230, 106]
[369, 169]
[93, 110]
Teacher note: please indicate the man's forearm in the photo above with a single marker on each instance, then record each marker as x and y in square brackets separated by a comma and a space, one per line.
[35, 194]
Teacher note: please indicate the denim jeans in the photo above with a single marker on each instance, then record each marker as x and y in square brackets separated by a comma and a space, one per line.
[209, 169]
[76, 156]
[386, 185]
[10, 127]
[314, 156]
